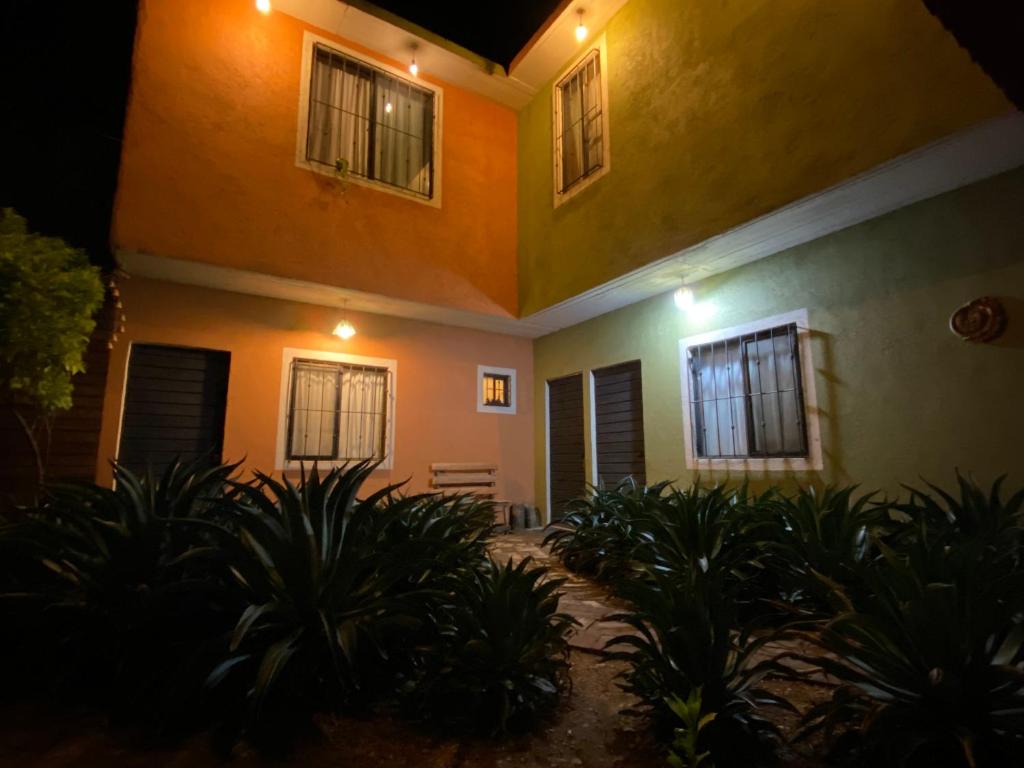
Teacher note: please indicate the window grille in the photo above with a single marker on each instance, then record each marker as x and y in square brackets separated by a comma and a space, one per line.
[579, 141]
[337, 411]
[497, 390]
[380, 126]
[746, 396]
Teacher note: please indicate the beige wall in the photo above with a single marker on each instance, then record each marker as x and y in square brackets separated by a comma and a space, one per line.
[899, 396]
[435, 408]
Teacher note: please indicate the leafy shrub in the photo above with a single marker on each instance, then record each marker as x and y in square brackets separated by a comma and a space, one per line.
[819, 543]
[930, 662]
[502, 657]
[684, 752]
[117, 601]
[597, 536]
[687, 639]
[320, 600]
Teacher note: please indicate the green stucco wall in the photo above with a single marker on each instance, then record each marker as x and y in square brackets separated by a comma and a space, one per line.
[721, 112]
[899, 396]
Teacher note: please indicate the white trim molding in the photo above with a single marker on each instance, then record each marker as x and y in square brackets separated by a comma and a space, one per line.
[288, 354]
[813, 460]
[481, 407]
[311, 39]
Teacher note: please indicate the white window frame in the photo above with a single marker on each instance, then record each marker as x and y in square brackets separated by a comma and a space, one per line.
[291, 354]
[311, 39]
[561, 196]
[811, 462]
[513, 390]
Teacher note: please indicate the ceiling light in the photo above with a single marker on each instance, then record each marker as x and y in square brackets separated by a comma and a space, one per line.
[581, 28]
[387, 107]
[344, 330]
[414, 67]
[263, 6]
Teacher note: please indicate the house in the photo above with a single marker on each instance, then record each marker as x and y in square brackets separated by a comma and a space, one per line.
[694, 238]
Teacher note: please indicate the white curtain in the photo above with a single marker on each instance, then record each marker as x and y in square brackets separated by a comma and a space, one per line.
[718, 409]
[572, 132]
[362, 421]
[339, 121]
[338, 412]
[402, 137]
[314, 411]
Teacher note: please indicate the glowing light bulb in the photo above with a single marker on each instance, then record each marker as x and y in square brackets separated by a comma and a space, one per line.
[387, 107]
[263, 6]
[581, 28]
[684, 299]
[344, 330]
[414, 68]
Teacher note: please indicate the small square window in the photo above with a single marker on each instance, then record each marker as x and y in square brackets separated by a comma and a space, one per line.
[496, 390]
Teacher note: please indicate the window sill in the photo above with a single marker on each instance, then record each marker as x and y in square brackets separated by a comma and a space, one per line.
[296, 466]
[781, 464]
[323, 170]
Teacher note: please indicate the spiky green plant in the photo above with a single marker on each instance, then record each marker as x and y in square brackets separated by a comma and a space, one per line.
[930, 663]
[502, 656]
[685, 751]
[818, 543]
[597, 535]
[322, 599]
[120, 601]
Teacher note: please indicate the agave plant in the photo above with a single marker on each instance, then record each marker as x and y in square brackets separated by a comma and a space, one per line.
[819, 542]
[322, 597]
[502, 657]
[121, 598]
[597, 535]
[685, 639]
[931, 662]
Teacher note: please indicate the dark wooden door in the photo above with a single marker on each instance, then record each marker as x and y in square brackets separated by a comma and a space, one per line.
[618, 402]
[174, 406]
[565, 442]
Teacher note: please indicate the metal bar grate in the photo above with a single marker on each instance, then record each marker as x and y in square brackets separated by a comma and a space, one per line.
[746, 396]
[579, 142]
[337, 411]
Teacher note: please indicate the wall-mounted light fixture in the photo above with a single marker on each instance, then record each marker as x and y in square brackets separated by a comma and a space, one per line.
[344, 330]
[263, 6]
[686, 301]
[581, 28]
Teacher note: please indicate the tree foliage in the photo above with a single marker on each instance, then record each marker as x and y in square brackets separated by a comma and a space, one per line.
[48, 295]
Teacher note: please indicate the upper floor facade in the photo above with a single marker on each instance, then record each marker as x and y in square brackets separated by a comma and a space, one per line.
[298, 144]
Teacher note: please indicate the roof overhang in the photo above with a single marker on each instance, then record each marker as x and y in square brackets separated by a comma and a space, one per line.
[394, 37]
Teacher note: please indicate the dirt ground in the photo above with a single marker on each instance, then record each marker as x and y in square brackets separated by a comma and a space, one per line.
[587, 730]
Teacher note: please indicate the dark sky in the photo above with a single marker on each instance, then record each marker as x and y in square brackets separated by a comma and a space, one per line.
[496, 29]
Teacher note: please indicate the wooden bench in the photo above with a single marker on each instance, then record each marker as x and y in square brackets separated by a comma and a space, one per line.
[480, 480]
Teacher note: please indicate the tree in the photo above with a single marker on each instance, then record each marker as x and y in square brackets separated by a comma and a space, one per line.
[48, 295]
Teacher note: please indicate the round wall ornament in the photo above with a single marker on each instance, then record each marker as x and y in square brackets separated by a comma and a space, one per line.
[980, 320]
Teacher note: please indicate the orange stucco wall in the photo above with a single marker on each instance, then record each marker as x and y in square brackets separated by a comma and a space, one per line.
[435, 405]
[208, 170]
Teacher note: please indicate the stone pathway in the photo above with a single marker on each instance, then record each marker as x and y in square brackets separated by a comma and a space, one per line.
[587, 602]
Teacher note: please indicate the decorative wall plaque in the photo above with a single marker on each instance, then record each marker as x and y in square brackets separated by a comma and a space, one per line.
[980, 320]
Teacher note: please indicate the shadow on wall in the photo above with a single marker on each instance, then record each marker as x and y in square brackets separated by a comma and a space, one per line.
[1013, 336]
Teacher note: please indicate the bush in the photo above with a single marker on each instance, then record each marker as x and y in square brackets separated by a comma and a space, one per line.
[930, 662]
[502, 656]
[117, 600]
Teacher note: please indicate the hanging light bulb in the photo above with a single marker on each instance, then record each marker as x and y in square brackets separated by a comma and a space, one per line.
[387, 107]
[581, 28]
[344, 330]
[684, 299]
[263, 6]
[414, 68]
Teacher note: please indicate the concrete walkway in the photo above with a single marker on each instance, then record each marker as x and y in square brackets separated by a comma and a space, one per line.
[584, 600]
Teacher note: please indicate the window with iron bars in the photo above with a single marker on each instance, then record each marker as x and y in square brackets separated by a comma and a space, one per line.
[746, 396]
[370, 123]
[579, 139]
[337, 411]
